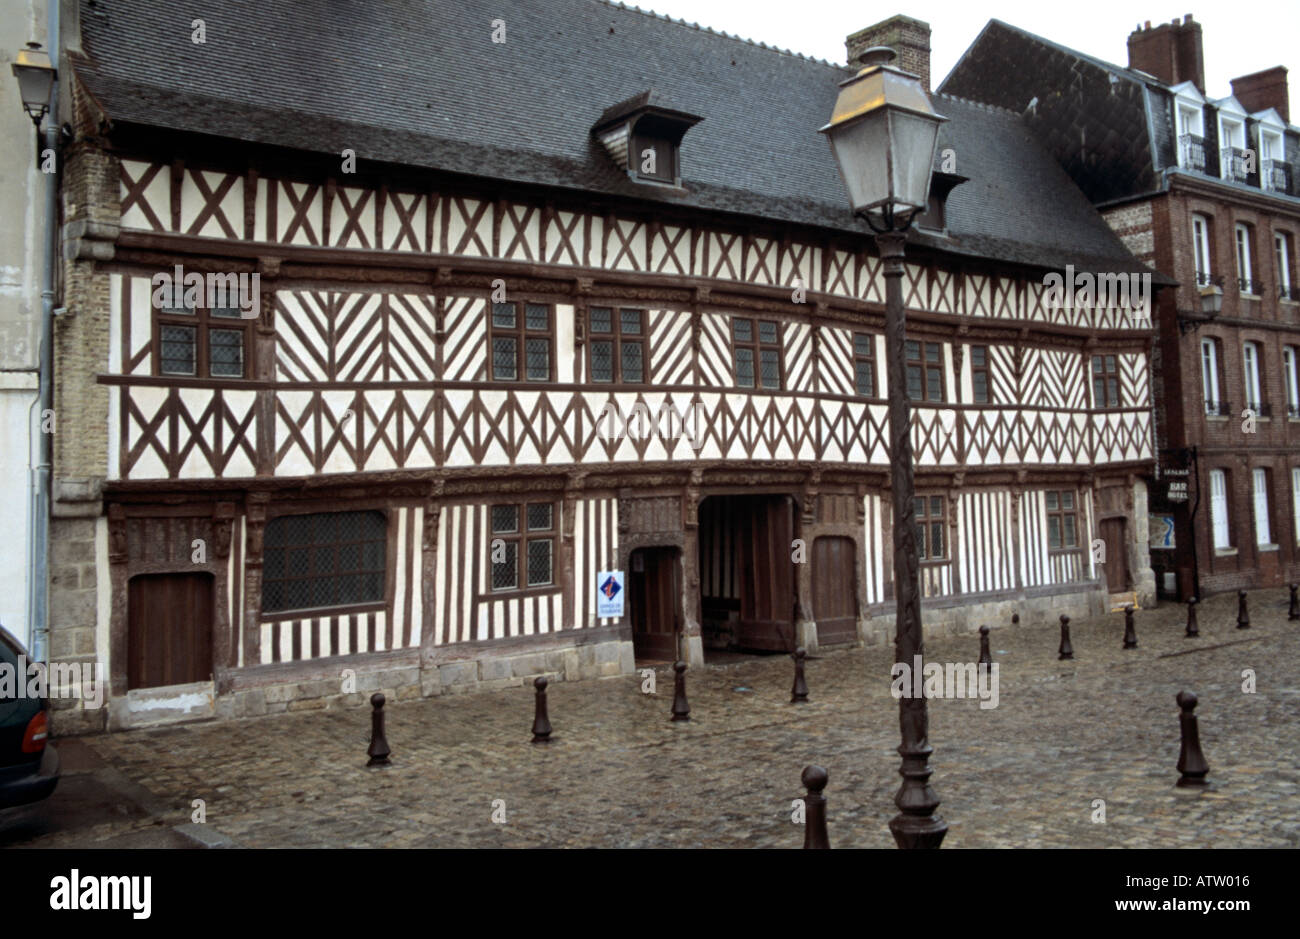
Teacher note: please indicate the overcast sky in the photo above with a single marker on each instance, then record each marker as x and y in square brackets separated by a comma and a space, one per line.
[1239, 38]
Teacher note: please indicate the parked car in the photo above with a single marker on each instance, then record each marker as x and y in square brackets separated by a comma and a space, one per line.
[29, 763]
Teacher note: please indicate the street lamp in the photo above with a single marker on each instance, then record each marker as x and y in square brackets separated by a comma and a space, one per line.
[883, 133]
[35, 77]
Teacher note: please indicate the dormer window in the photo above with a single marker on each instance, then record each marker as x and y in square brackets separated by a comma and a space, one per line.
[654, 159]
[1272, 151]
[1189, 118]
[1235, 164]
[644, 138]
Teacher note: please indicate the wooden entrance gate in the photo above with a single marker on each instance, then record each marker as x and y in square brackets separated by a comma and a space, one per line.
[169, 629]
[1112, 533]
[834, 593]
[746, 569]
[654, 598]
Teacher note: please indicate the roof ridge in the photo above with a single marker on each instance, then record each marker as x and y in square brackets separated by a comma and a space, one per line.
[708, 29]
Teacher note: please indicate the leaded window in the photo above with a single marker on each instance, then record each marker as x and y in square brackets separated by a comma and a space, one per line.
[523, 545]
[617, 345]
[325, 559]
[521, 341]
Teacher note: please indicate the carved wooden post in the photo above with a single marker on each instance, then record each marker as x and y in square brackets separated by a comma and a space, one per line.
[799, 693]
[815, 836]
[378, 741]
[1192, 630]
[541, 719]
[1067, 650]
[681, 710]
[985, 657]
[1243, 615]
[1130, 632]
[1191, 761]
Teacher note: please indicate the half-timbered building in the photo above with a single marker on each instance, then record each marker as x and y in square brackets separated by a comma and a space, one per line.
[544, 292]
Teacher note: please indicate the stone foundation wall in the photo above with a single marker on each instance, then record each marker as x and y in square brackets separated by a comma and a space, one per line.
[255, 695]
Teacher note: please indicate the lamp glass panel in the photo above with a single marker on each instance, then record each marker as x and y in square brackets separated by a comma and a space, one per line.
[862, 155]
[912, 142]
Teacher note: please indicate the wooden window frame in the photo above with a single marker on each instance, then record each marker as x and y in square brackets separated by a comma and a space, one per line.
[986, 371]
[1107, 376]
[663, 145]
[1252, 353]
[1260, 493]
[1203, 249]
[616, 336]
[1291, 379]
[757, 346]
[1059, 514]
[203, 321]
[520, 333]
[925, 522]
[337, 609]
[1215, 406]
[522, 537]
[926, 367]
[1226, 476]
[869, 360]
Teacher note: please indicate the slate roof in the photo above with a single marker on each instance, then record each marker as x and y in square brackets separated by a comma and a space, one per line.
[1115, 138]
[422, 84]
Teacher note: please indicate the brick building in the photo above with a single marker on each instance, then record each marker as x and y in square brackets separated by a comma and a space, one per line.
[425, 449]
[1207, 190]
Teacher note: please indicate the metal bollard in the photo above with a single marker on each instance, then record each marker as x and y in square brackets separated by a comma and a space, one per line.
[541, 716]
[378, 750]
[799, 693]
[1243, 615]
[1191, 761]
[985, 657]
[1192, 630]
[1294, 611]
[814, 825]
[1130, 632]
[1067, 650]
[681, 710]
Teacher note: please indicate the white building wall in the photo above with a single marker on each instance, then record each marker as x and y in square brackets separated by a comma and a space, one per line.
[22, 204]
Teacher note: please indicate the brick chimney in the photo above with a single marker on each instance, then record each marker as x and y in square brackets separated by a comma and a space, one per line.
[1264, 90]
[908, 37]
[1171, 52]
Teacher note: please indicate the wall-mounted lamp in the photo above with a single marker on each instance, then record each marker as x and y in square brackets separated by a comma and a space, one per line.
[1211, 305]
[35, 80]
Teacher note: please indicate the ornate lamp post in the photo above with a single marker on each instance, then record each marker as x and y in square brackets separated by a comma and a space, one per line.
[883, 133]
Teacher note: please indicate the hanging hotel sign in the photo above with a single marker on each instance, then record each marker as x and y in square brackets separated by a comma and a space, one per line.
[609, 594]
[1177, 491]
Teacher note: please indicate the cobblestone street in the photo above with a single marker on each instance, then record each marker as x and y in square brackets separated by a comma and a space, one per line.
[619, 774]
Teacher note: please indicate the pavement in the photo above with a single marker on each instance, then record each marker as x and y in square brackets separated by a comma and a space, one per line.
[1079, 753]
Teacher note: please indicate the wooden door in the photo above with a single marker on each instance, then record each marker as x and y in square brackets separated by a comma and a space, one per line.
[1116, 566]
[169, 630]
[766, 571]
[654, 596]
[834, 591]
